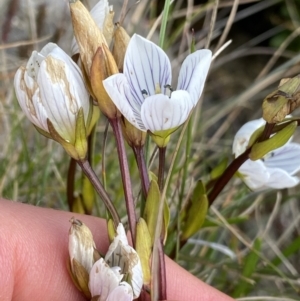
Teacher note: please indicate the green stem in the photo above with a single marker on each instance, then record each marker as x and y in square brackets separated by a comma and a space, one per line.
[116, 126]
[161, 167]
[103, 161]
[89, 172]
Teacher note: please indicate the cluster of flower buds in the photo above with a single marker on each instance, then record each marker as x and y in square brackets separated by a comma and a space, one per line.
[143, 92]
[117, 276]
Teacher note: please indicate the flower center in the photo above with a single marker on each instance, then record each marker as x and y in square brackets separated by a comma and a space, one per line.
[168, 88]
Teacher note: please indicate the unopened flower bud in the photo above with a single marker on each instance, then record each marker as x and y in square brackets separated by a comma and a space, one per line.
[103, 66]
[133, 136]
[83, 254]
[282, 102]
[103, 15]
[52, 94]
[121, 41]
[87, 33]
[108, 25]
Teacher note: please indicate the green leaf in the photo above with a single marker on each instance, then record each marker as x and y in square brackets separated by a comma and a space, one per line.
[152, 207]
[249, 268]
[260, 149]
[151, 211]
[144, 249]
[196, 214]
[219, 169]
[291, 249]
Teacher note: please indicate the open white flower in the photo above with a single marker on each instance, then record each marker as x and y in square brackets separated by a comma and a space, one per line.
[121, 263]
[275, 170]
[143, 94]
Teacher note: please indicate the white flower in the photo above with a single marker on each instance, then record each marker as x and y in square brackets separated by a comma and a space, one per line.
[121, 263]
[275, 170]
[121, 254]
[143, 94]
[99, 13]
[51, 87]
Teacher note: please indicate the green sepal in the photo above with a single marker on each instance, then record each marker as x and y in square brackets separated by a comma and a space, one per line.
[255, 136]
[77, 205]
[143, 248]
[219, 169]
[283, 101]
[159, 140]
[42, 132]
[260, 149]
[88, 195]
[152, 208]
[80, 135]
[111, 230]
[151, 211]
[69, 148]
[196, 213]
[162, 138]
[93, 117]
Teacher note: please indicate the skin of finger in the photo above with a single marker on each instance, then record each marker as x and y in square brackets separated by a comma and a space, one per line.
[34, 255]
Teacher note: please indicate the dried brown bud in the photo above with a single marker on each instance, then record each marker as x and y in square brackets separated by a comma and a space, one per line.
[121, 41]
[133, 136]
[87, 33]
[108, 25]
[282, 102]
[103, 66]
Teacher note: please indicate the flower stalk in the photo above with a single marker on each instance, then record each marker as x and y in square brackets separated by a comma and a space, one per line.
[142, 167]
[161, 167]
[116, 126]
[89, 172]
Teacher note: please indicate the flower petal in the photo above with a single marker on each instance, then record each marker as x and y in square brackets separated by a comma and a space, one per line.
[286, 158]
[118, 89]
[28, 98]
[103, 280]
[193, 73]
[256, 175]
[159, 112]
[121, 293]
[280, 179]
[242, 137]
[62, 92]
[120, 253]
[146, 66]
